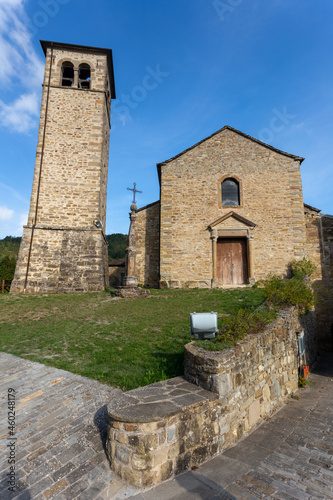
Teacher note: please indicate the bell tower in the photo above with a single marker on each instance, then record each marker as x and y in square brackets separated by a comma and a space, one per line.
[63, 247]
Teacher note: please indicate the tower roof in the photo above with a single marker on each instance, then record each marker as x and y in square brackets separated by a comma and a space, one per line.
[84, 48]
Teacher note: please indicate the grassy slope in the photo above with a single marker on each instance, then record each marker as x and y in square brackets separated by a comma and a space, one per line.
[123, 343]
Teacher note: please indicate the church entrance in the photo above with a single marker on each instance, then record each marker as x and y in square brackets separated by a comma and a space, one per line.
[232, 265]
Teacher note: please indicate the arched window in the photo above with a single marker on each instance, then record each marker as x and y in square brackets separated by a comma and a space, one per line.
[67, 74]
[230, 193]
[84, 76]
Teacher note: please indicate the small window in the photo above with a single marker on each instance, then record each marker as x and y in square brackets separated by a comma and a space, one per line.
[230, 193]
[84, 76]
[67, 74]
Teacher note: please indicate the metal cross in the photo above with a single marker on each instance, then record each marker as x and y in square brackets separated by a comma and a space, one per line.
[134, 191]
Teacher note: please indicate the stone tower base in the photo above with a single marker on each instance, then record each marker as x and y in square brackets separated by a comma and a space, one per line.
[62, 260]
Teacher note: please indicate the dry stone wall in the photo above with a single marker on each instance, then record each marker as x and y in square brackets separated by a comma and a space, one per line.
[158, 431]
[259, 373]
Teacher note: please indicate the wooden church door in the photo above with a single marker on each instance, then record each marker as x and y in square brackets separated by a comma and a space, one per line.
[232, 266]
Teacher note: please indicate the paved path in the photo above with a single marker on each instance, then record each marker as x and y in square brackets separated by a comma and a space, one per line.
[60, 431]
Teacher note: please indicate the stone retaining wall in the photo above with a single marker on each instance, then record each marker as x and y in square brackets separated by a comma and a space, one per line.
[256, 376]
[158, 431]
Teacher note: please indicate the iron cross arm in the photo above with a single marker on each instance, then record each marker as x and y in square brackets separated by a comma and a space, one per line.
[134, 191]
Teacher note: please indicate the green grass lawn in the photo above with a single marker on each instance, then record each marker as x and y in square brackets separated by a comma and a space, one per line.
[124, 343]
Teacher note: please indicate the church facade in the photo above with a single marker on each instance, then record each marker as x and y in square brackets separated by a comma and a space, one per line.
[230, 211]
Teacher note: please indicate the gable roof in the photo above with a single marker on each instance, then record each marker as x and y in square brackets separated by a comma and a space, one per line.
[227, 127]
[235, 216]
[309, 207]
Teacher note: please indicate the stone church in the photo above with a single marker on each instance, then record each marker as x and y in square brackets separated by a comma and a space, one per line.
[230, 211]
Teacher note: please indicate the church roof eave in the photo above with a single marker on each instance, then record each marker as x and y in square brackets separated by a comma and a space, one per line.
[227, 127]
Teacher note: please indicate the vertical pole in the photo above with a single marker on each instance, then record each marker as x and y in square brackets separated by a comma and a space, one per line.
[3, 286]
[40, 172]
[250, 257]
[214, 257]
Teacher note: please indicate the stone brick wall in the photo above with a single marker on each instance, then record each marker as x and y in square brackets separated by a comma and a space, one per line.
[147, 244]
[313, 240]
[158, 431]
[256, 376]
[61, 261]
[116, 275]
[148, 452]
[320, 252]
[271, 198]
[70, 179]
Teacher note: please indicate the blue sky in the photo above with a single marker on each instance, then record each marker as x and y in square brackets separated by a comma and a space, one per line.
[263, 67]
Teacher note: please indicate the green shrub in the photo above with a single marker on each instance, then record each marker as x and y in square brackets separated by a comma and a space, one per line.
[281, 292]
[244, 322]
[302, 269]
[278, 293]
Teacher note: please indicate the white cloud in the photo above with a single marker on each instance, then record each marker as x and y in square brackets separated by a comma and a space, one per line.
[20, 115]
[6, 213]
[13, 225]
[14, 192]
[20, 68]
[23, 218]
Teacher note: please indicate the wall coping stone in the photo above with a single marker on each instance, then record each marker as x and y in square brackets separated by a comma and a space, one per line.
[156, 402]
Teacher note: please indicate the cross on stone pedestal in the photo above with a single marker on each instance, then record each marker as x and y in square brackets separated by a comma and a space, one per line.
[130, 279]
[134, 191]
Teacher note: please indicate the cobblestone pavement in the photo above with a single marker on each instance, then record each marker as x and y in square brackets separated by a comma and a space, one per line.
[60, 430]
[60, 434]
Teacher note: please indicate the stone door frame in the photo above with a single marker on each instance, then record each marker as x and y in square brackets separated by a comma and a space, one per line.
[232, 233]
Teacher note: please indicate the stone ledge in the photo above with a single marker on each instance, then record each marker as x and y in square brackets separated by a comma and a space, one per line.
[130, 292]
[162, 429]
[157, 401]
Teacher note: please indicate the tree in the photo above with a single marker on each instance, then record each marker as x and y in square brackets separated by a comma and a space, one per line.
[7, 268]
[117, 245]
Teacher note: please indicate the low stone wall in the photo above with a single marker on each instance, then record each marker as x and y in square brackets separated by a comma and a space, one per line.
[160, 430]
[257, 375]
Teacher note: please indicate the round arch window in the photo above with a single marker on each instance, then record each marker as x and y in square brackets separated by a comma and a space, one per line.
[67, 74]
[230, 193]
[84, 76]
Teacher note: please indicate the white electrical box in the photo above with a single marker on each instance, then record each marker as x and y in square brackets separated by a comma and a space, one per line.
[204, 325]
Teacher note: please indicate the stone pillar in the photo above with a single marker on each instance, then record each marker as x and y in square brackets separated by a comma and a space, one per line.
[130, 279]
[76, 78]
[250, 257]
[213, 237]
